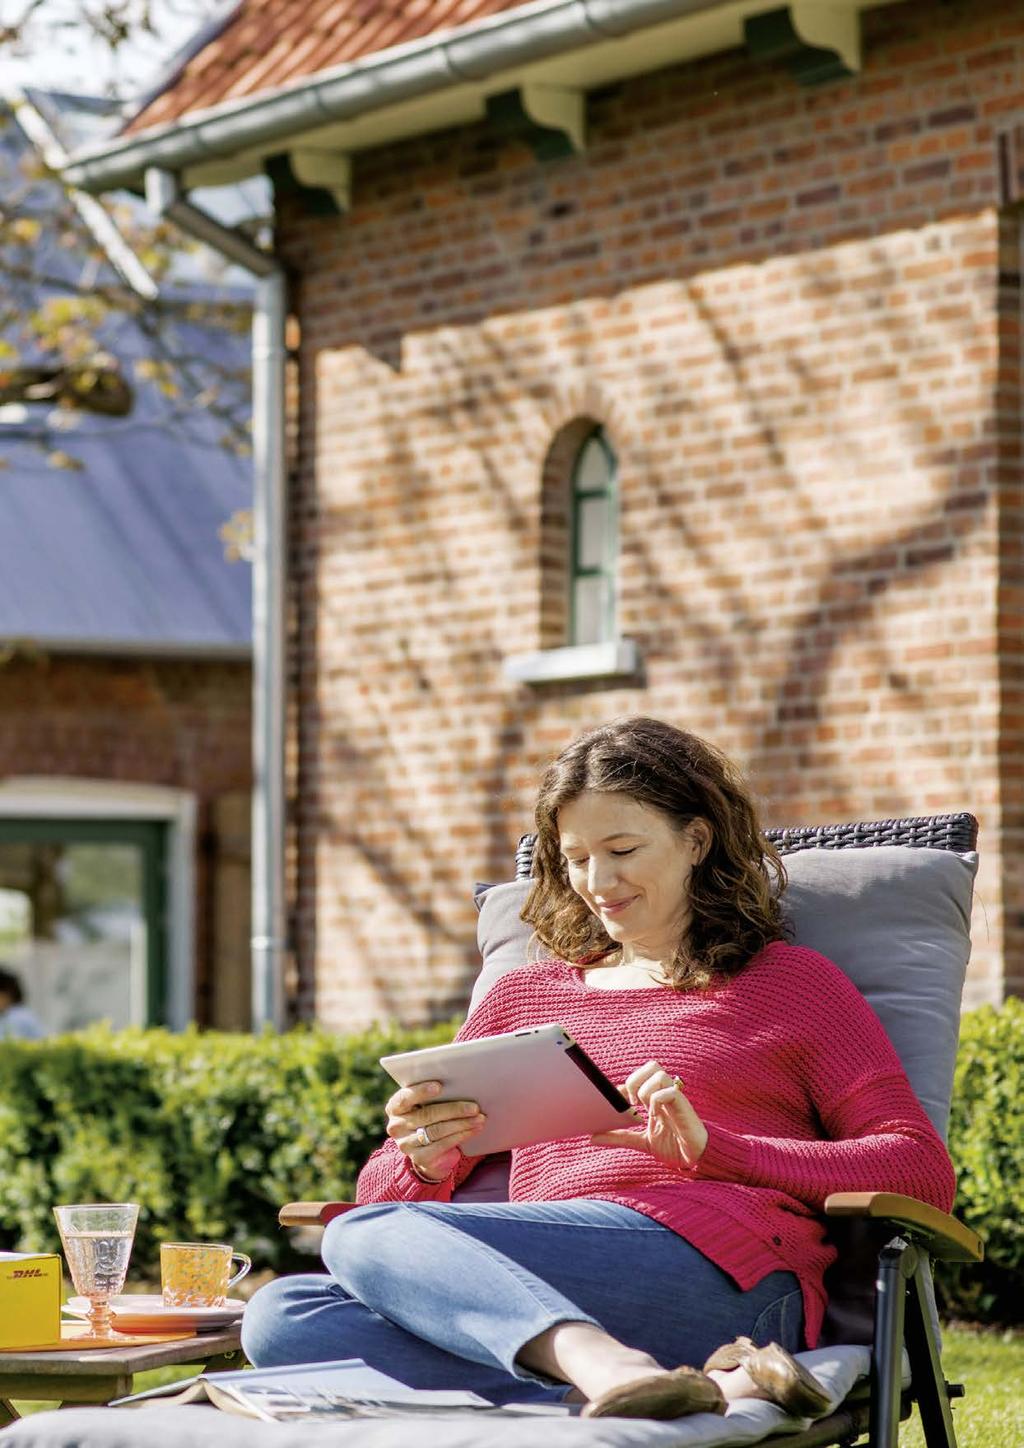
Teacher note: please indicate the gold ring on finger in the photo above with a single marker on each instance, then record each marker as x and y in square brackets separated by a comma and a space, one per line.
[423, 1136]
[677, 1084]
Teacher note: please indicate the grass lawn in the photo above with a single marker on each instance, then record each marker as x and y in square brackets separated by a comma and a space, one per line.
[990, 1364]
[991, 1367]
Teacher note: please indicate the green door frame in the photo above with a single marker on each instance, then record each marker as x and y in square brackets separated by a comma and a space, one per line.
[151, 837]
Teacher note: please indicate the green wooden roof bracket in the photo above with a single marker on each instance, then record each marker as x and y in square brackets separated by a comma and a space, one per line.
[549, 119]
[328, 196]
[324, 170]
[817, 42]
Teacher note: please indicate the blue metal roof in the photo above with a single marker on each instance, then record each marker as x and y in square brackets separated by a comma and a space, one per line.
[124, 552]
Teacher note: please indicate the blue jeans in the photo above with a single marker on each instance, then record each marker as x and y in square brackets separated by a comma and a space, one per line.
[444, 1295]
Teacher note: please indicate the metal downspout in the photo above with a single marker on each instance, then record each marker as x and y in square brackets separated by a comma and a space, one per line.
[268, 588]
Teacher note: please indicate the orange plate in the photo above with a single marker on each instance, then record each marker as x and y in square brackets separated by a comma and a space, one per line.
[145, 1312]
[153, 1327]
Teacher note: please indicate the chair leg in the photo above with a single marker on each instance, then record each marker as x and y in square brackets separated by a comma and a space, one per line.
[925, 1365]
[902, 1313]
[896, 1263]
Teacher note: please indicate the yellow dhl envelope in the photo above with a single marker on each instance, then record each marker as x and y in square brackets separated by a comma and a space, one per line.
[29, 1299]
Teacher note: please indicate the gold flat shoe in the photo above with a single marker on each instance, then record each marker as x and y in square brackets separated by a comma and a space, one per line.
[674, 1394]
[782, 1379]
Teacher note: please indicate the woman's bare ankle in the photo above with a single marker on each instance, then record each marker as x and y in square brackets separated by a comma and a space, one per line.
[736, 1383]
[587, 1357]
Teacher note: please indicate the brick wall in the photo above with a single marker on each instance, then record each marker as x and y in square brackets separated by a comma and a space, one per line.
[180, 724]
[793, 311]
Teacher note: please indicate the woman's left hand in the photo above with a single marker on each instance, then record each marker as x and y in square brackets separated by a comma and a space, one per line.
[674, 1132]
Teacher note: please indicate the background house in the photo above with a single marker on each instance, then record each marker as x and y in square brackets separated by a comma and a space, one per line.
[657, 358]
[124, 646]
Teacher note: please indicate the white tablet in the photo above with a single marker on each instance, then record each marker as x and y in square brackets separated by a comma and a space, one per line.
[532, 1085]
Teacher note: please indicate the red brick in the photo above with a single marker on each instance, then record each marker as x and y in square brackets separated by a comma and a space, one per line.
[185, 725]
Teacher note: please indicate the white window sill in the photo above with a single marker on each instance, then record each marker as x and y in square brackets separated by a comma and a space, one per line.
[619, 658]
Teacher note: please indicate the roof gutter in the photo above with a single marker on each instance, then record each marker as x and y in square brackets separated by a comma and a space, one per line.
[472, 53]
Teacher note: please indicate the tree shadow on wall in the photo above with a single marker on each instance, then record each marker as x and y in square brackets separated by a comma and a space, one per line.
[396, 667]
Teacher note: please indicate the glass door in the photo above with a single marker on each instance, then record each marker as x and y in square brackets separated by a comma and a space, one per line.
[83, 919]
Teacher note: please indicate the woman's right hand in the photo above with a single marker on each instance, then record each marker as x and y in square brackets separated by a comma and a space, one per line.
[429, 1132]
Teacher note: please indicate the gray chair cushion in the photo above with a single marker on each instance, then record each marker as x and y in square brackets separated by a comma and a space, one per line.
[158, 1426]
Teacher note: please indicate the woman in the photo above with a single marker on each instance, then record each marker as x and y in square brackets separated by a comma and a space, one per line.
[17, 1022]
[767, 1082]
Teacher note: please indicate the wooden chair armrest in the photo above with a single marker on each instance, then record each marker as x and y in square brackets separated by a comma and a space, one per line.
[942, 1235]
[312, 1214]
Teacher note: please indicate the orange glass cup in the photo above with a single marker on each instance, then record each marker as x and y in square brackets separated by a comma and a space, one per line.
[198, 1274]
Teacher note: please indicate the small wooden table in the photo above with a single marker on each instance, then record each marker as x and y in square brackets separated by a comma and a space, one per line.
[95, 1375]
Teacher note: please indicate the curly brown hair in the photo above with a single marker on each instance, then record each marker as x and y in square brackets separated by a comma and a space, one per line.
[734, 890]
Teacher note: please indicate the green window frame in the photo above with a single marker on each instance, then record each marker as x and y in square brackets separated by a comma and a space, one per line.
[151, 837]
[594, 547]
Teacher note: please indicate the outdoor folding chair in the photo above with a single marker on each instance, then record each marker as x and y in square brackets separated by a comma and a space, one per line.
[893, 910]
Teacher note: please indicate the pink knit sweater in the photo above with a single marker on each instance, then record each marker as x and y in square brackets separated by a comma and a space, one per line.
[789, 1069]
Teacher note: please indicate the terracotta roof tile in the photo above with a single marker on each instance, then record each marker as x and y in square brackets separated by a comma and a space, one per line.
[273, 43]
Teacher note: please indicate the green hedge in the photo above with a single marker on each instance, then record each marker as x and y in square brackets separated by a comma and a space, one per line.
[209, 1132]
[986, 1139]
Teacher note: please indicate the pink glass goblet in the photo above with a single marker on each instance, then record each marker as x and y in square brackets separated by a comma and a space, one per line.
[97, 1240]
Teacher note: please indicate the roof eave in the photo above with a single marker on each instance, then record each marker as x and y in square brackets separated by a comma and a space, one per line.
[229, 651]
[546, 41]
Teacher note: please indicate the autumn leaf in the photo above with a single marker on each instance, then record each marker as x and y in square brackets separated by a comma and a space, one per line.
[58, 458]
[26, 229]
[236, 535]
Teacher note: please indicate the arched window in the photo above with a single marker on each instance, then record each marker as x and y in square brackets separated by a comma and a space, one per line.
[594, 545]
[578, 634]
